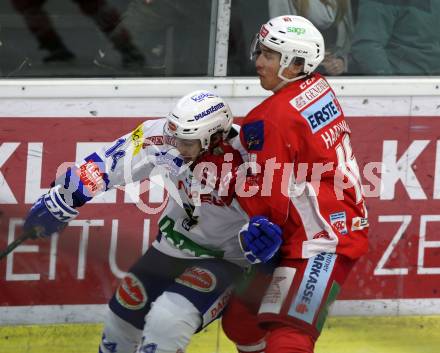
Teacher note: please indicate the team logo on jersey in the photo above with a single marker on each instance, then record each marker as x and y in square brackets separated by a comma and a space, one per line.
[322, 112]
[131, 293]
[359, 223]
[198, 278]
[339, 221]
[310, 94]
[254, 135]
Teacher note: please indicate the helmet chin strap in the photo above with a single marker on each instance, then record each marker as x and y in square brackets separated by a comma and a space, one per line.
[286, 80]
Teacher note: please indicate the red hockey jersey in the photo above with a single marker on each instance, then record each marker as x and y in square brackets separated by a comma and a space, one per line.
[304, 175]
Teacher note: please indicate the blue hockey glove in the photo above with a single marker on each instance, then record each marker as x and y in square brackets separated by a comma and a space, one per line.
[260, 239]
[49, 214]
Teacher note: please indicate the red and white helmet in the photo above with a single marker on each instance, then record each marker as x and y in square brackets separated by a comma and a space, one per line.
[199, 115]
[292, 37]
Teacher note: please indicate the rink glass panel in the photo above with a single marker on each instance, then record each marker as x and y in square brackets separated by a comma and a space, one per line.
[106, 38]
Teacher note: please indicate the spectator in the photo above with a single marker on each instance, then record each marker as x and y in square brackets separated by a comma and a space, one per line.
[397, 37]
[170, 33]
[103, 14]
[334, 20]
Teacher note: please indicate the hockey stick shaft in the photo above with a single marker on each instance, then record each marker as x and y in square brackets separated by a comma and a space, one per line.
[14, 244]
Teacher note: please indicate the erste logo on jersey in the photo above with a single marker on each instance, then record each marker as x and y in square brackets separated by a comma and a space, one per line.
[323, 112]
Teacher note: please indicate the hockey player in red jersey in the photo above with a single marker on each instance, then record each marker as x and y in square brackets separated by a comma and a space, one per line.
[305, 178]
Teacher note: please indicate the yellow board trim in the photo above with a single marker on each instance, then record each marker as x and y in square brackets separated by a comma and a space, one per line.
[409, 334]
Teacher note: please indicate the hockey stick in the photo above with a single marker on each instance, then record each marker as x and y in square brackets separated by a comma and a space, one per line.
[15, 243]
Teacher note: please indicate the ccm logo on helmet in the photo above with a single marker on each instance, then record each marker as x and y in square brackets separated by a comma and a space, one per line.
[300, 51]
[208, 111]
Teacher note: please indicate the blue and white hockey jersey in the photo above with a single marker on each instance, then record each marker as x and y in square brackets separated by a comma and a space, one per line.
[197, 221]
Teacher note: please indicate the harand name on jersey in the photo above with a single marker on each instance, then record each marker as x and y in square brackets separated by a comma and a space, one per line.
[331, 135]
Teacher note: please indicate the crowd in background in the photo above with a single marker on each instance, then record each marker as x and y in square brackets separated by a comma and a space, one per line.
[77, 38]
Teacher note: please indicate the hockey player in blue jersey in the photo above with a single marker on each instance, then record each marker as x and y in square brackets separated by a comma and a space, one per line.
[184, 280]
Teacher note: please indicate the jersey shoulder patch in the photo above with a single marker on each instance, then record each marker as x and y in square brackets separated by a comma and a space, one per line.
[254, 135]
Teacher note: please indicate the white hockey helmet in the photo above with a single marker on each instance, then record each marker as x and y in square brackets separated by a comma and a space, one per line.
[293, 37]
[199, 115]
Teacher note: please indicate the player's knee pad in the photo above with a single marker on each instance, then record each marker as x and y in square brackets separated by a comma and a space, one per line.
[287, 339]
[170, 324]
[119, 336]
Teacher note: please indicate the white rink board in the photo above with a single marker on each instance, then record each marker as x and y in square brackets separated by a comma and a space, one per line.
[156, 97]
[59, 314]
